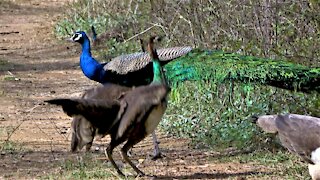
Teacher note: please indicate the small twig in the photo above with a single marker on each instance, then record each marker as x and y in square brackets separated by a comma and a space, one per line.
[191, 27]
[113, 173]
[10, 73]
[11, 32]
[51, 148]
[56, 128]
[160, 26]
[146, 30]
[129, 8]
[29, 111]
[51, 142]
[12, 132]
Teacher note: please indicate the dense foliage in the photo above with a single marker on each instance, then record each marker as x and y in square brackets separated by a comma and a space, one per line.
[219, 114]
[274, 29]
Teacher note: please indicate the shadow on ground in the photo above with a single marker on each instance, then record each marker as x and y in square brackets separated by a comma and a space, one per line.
[215, 175]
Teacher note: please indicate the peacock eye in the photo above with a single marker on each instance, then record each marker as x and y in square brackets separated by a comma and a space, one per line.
[76, 37]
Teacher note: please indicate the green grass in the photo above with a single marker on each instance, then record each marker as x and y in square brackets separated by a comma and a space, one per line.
[7, 145]
[278, 163]
[10, 147]
[3, 64]
[6, 65]
[10, 78]
[86, 167]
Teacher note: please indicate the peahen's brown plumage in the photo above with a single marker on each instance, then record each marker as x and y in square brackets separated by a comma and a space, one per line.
[83, 131]
[299, 134]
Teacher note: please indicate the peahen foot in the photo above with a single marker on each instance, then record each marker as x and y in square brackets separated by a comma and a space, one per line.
[157, 153]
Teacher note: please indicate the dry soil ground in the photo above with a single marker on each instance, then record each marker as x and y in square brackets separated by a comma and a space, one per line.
[34, 66]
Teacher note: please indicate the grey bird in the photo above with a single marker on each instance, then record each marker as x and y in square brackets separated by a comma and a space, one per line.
[300, 134]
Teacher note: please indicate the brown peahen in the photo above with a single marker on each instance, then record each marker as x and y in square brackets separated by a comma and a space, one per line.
[83, 131]
[299, 134]
[129, 119]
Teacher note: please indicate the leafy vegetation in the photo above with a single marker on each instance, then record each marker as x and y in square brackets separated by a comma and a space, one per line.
[219, 114]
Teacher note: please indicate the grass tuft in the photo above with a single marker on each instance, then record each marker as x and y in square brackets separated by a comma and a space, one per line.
[84, 167]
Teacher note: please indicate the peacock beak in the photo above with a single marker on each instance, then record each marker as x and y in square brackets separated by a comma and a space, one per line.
[69, 39]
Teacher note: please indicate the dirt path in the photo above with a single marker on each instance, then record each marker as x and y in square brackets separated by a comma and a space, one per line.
[34, 66]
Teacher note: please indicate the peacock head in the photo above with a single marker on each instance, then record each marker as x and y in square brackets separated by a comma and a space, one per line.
[79, 37]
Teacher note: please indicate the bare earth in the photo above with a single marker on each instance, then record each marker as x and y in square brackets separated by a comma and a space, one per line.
[35, 66]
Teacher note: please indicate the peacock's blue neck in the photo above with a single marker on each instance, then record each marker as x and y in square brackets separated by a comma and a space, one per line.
[89, 66]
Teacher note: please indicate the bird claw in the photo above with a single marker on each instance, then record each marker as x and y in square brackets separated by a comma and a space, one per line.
[157, 155]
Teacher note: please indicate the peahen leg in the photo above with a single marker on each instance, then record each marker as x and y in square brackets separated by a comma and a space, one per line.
[124, 152]
[88, 146]
[157, 152]
[108, 153]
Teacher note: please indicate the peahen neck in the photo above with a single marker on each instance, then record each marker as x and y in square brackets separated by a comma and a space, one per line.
[158, 75]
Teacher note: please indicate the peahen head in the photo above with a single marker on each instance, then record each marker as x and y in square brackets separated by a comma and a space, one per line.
[79, 36]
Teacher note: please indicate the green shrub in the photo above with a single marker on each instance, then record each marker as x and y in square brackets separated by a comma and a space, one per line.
[219, 115]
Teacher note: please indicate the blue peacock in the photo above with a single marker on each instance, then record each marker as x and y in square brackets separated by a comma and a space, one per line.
[127, 70]
[185, 63]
